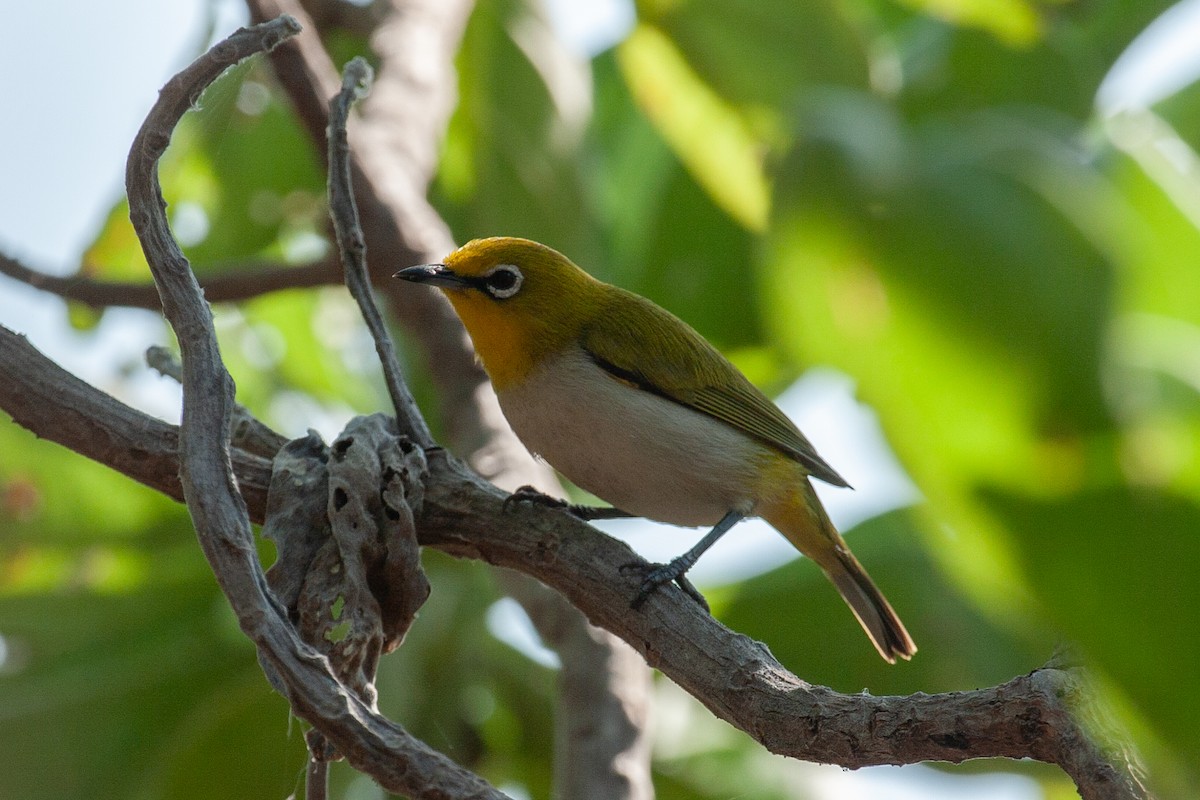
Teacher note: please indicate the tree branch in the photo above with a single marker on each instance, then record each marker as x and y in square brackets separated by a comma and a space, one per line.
[54, 404]
[357, 18]
[740, 681]
[352, 244]
[1032, 716]
[241, 284]
[248, 433]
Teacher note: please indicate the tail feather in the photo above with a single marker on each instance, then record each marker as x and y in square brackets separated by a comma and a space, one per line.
[872, 609]
[803, 521]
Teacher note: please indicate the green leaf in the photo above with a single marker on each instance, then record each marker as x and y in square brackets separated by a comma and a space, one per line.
[1014, 22]
[1047, 54]
[122, 665]
[764, 53]
[666, 237]
[511, 164]
[925, 263]
[291, 349]
[116, 253]
[975, 273]
[247, 167]
[709, 136]
[241, 180]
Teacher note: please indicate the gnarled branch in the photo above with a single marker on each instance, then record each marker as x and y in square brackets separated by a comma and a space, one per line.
[370, 742]
[353, 246]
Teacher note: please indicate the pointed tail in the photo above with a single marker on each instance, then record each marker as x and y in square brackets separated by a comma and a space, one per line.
[803, 521]
[872, 609]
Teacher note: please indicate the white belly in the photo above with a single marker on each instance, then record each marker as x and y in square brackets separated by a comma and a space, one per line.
[644, 454]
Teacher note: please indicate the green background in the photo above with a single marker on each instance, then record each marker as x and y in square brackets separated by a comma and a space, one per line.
[920, 195]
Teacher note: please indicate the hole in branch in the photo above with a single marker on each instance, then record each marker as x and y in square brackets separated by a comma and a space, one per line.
[341, 446]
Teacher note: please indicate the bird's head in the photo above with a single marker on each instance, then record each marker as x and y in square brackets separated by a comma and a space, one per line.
[519, 300]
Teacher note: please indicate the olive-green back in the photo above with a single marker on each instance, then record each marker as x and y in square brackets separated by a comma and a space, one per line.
[646, 346]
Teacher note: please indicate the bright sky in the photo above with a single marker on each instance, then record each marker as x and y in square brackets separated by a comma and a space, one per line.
[78, 79]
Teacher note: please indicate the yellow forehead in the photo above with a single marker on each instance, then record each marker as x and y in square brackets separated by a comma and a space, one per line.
[478, 256]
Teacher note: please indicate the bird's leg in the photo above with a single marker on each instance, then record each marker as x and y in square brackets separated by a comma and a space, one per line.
[528, 494]
[676, 570]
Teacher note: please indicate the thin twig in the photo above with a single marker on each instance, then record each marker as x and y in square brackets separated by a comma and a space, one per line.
[316, 776]
[400, 226]
[356, 82]
[241, 283]
[248, 432]
[601, 742]
[316, 781]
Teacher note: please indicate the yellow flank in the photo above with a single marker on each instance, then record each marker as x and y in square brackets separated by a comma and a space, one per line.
[778, 478]
[789, 511]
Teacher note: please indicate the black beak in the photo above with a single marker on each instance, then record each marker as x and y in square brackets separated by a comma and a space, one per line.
[434, 275]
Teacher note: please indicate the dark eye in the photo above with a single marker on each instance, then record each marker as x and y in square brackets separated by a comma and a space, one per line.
[504, 281]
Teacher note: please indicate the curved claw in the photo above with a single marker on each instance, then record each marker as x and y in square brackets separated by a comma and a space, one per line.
[657, 575]
[528, 494]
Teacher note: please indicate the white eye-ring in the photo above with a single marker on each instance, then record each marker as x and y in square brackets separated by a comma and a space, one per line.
[503, 281]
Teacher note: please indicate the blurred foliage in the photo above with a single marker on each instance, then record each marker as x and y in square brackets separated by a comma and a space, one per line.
[920, 194]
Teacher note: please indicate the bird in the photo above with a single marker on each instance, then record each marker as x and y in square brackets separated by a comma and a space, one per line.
[632, 404]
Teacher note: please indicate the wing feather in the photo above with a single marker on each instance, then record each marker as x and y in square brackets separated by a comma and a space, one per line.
[645, 346]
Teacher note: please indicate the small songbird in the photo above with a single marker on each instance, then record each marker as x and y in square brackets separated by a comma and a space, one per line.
[630, 403]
